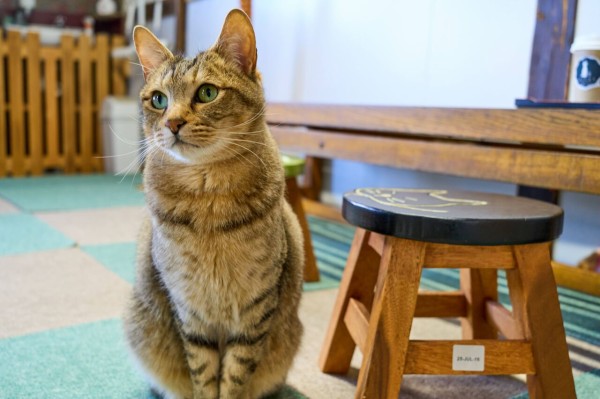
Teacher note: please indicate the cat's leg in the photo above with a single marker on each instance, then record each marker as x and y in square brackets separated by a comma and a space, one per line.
[202, 352]
[151, 331]
[156, 345]
[257, 362]
[280, 349]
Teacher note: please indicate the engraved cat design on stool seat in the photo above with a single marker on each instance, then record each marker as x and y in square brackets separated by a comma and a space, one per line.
[214, 311]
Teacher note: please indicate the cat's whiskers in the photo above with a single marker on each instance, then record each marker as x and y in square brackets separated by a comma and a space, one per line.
[237, 155]
[249, 150]
[121, 139]
[244, 141]
[147, 147]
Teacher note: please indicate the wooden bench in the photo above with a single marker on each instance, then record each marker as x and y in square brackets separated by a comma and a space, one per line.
[549, 148]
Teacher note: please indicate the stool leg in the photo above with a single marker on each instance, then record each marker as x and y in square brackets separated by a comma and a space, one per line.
[478, 286]
[358, 282]
[537, 310]
[391, 319]
[311, 272]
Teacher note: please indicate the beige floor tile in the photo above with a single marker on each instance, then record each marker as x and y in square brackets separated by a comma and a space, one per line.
[97, 226]
[58, 288]
[7, 207]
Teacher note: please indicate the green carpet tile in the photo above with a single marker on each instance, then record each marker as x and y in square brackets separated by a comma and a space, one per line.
[60, 192]
[587, 386]
[119, 258]
[22, 233]
[85, 361]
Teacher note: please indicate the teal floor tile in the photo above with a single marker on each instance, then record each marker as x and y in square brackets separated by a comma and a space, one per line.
[60, 192]
[22, 233]
[119, 258]
[86, 361]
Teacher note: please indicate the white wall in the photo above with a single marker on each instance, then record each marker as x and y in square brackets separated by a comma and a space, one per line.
[455, 53]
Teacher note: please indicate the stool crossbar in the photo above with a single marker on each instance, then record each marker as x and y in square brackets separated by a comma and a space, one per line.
[379, 297]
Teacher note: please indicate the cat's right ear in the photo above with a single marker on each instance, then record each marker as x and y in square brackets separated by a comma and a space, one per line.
[149, 49]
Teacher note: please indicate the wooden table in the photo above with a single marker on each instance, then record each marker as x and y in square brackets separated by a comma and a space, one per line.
[547, 148]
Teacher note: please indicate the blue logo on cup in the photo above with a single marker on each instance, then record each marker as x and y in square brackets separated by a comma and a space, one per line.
[588, 73]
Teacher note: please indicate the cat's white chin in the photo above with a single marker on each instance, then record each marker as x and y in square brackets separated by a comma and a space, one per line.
[176, 154]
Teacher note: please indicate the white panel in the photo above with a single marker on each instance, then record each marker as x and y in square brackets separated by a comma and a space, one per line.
[204, 21]
[480, 52]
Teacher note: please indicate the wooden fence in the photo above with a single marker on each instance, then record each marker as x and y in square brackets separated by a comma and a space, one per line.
[50, 102]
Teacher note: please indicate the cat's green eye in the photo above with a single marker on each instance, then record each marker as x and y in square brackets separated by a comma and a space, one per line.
[159, 100]
[207, 93]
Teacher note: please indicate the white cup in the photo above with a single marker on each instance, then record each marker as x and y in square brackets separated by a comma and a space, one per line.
[584, 84]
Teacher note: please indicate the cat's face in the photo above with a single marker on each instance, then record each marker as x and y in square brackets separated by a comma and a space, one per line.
[202, 109]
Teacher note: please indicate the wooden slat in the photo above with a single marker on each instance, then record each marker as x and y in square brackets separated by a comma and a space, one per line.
[357, 322]
[502, 320]
[501, 357]
[52, 114]
[118, 69]
[3, 132]
[441, 304]
[102, 89]
[542, 126]
[85, 96]
[15, 87]
[577, 279]
[34, 90]
[460, 256]
[321, 210]
[567, 171]
[68, 101]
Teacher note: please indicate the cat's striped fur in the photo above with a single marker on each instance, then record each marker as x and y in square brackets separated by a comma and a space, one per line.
[215, 302]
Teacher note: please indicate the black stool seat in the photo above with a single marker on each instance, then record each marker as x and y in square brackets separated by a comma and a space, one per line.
[452, 216]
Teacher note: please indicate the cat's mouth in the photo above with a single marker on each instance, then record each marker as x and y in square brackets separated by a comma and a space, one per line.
[180, 143]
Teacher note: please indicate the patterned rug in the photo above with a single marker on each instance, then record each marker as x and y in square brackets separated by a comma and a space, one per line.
[67, 248]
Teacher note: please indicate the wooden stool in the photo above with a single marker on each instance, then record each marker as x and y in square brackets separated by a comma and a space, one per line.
[402, 231]
[294, 167]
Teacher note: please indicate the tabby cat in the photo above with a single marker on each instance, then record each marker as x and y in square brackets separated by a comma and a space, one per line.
[214, 312]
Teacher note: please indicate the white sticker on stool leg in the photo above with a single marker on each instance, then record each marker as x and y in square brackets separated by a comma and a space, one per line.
[468, 357]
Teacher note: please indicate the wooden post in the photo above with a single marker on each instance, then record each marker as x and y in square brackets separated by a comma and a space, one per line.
[3, 132]
[68, 128]
[102, 89]
[34, 104]
[85, 103]
[52, 114]
[550, 56]
[311, 272]
[16, 117]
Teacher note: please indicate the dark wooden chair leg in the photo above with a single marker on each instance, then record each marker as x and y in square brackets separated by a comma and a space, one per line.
[358, 282]
[391, 319]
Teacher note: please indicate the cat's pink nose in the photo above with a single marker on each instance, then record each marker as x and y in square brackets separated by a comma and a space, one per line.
[175, 124]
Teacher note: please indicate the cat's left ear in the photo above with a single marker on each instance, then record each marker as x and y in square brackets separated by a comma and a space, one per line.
[237, 42]
[149, 49]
